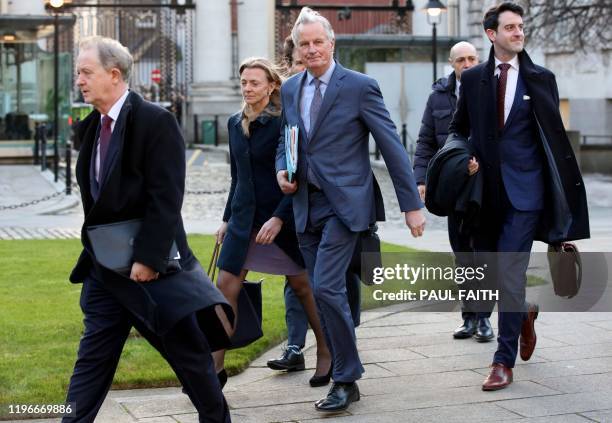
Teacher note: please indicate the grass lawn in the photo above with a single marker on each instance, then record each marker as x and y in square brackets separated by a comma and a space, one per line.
[41, 323]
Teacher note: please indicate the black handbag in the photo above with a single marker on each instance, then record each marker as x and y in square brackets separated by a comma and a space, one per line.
[565, 268]
[113, 247]
[248, 328]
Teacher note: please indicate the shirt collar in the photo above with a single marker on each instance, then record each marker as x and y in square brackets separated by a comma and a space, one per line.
[325, 78]
[514, 63]
[114, 111]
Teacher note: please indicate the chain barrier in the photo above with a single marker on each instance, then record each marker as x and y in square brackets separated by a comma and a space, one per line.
[203, 192]
[31, 203]
[76, 187]
[38, 200]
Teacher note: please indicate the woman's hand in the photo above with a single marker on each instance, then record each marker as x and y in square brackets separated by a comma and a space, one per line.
[220, 234]
[269, 230]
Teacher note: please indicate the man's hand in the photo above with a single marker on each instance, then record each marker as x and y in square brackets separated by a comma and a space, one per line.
[422, 190]
[269, 230]
[415, 220]
[473, 166]
[142, 273]
[220, 234]
[284, 184]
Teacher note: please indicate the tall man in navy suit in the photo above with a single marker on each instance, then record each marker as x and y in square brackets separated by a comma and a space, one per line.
[509, 107]
[335, 197]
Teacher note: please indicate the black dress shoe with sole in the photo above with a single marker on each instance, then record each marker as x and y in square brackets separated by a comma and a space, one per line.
[466, 330]
[484, 331]
[316, 381]
[291, 360]
[339, 397]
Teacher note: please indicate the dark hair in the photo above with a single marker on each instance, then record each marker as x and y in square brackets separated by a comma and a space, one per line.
[288, 47]
[491, 18]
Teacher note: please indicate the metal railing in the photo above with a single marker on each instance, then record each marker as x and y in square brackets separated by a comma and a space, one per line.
[596, 140]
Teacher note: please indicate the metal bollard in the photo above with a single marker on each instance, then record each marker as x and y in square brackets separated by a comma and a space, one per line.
[55, 159]
[36, 143]
[216, 130]
[68, 167]
[43, 146]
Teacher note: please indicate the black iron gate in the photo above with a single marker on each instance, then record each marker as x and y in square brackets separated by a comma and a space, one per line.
[160, 38]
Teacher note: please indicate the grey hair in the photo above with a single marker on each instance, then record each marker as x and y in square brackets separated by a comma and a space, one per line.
[308, 16]
[111, 53]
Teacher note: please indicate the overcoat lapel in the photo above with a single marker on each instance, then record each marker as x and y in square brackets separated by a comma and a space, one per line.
[116, 144]
[297, 95]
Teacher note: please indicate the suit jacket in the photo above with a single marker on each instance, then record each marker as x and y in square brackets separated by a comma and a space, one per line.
[451, 191]
[564, 214]
[144, 178]
[254, 195]
[337, 150]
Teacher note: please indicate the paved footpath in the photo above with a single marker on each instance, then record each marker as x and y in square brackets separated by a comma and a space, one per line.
[415, 371]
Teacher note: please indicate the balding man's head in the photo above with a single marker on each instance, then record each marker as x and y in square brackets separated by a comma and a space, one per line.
[463, 56]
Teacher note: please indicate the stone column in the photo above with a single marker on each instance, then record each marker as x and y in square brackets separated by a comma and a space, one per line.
[256, 29]
[213, 91]
[476, 9]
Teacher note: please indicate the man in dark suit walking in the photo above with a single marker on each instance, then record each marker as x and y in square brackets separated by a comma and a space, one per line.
[432, 136]
[509, 107]
[335, 197]
[132, 166]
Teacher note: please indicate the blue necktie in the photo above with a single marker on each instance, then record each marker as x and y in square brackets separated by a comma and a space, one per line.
[315, 106]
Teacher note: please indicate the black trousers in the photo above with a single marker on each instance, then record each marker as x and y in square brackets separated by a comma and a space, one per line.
[107, 326]
[464, 256]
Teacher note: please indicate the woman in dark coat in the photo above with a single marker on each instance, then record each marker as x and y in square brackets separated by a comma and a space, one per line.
[258, 232]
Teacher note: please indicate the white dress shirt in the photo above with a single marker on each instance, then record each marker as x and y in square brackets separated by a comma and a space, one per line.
[113, 113]
[513, 73]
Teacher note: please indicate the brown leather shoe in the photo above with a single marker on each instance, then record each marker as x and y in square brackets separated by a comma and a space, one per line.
[528, 334]
[499, 377]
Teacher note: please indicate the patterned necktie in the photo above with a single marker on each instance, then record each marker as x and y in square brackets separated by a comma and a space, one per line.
[501, 94]
[105, 137]
[315, 106]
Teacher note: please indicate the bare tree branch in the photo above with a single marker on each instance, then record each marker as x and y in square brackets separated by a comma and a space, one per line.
[569, 24]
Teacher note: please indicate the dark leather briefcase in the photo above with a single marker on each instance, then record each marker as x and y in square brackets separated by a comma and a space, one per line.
[113, 246]
[565, 268]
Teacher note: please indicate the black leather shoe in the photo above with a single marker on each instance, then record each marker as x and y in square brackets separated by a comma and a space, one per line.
[291, 360]
[322, 380]
[339, 397]
[466, 330]
[484, 331]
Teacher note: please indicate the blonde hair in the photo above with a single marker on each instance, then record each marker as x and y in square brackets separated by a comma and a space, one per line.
[112, 54]
[273, 74]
